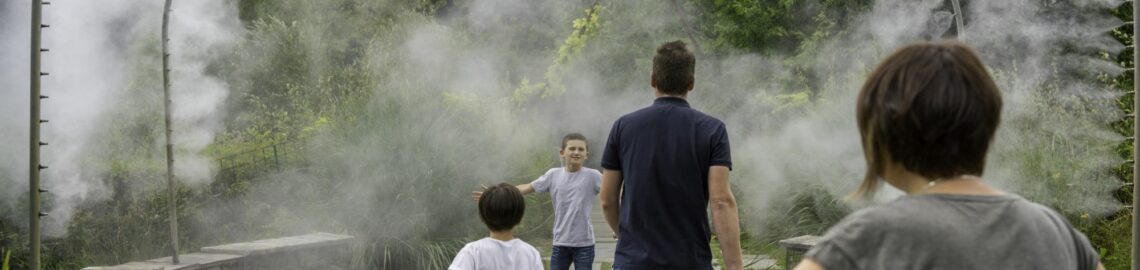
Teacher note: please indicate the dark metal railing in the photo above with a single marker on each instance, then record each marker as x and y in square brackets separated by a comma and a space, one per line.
[258, 161]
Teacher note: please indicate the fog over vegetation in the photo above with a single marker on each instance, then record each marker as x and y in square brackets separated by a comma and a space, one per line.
[377, 118]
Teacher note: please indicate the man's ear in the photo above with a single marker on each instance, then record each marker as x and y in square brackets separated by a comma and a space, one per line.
[691, 83]
[653, 80]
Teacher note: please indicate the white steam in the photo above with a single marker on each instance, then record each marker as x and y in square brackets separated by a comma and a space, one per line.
[94, 47]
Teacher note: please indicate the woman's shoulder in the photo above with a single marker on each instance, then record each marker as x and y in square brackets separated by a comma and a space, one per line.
[910, 211]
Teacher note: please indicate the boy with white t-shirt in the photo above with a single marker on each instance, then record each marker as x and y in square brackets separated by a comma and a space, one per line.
[501, 207]
[573, 189]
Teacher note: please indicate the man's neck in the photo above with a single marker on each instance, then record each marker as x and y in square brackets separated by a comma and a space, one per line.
[503, 236]
[660, 94]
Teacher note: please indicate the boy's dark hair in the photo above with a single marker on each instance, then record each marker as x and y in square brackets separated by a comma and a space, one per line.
[501, 207]
[574, 136]
[931, 107]
[673, 68]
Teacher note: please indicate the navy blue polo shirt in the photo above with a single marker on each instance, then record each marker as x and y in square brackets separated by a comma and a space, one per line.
[664, 152]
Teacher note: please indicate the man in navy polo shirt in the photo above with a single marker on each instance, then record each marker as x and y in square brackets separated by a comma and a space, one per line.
[664, 165]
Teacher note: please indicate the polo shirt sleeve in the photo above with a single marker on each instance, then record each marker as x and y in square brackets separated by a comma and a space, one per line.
[721, 153]
[611, 157]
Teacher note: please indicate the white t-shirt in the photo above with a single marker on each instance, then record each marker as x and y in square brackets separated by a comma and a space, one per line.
[492, 254]
[573, 195]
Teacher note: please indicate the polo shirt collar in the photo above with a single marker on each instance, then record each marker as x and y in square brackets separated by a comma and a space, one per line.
[675, 101]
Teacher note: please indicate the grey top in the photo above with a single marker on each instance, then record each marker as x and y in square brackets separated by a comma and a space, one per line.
[573, 195]
[944, 231]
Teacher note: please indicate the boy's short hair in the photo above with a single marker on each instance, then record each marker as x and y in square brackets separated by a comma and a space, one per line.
[931, 107]
[501, 207]
[575, 136]
[673, 68]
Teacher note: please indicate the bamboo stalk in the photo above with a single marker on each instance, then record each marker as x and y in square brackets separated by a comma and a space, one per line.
[171, 203]
[958, 21]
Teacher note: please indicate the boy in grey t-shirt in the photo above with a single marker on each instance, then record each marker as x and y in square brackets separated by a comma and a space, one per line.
[572, 189]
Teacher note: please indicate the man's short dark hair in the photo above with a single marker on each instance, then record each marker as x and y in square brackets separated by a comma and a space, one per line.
[673, 68]
[931, 107]
[574, 136]
[501, 207]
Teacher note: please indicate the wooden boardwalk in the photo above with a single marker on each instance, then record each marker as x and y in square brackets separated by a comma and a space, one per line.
[605, 244]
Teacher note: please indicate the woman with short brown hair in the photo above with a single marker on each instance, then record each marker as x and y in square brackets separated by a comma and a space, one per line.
[927, 115]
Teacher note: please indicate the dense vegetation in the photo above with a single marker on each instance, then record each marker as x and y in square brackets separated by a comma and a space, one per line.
[376, 118]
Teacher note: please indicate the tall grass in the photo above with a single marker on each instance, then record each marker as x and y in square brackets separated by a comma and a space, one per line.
[7, 255]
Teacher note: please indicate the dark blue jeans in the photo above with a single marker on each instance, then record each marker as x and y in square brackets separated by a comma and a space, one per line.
[562, 257]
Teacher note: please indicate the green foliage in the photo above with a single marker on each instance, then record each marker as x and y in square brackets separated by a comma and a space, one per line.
[583, 29]
[7, 255]
[1109, 237]
[775, 26]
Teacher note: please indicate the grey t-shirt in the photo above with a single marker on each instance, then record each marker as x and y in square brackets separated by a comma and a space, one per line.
[944, 231]
[573, 195]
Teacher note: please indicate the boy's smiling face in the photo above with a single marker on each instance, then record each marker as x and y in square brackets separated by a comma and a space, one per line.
[575, 153]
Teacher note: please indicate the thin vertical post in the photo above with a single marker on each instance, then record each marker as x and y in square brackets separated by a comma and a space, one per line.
[1135, 132]
[958, 20]
[276, 162]
[171, 203]
[34, 138]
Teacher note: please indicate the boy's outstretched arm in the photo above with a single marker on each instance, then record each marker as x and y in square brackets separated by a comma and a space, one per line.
[726, 220]
[809, 264]
[524, 188]
[610, 197]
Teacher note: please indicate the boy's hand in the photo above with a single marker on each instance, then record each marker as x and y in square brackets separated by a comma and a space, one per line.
[478, 193]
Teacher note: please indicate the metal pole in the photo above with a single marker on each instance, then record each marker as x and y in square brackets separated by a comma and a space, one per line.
[1135, 132]
[171, 203]
[34, 139]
